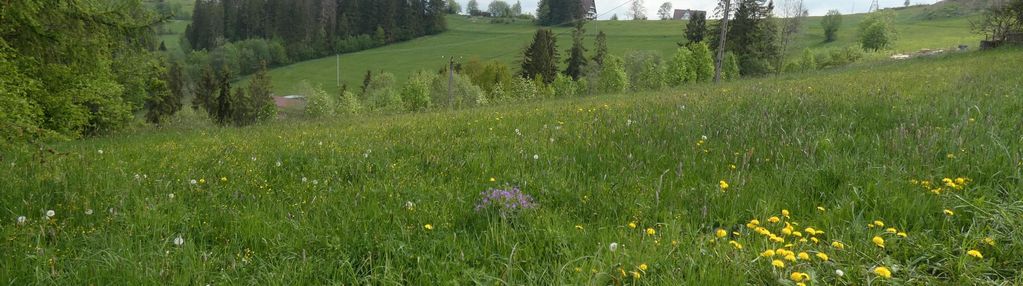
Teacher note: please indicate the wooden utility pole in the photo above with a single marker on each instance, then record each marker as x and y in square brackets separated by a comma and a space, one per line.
[451, 80]
[721, 43]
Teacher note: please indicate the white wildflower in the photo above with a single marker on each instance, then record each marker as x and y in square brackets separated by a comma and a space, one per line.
[613, 247]
[178, 241]
[193, 182]
[171, 195]
[839, 272]
[21, 220]
[536, 156]
[88, 212]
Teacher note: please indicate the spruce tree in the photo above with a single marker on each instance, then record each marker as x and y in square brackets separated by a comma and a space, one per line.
[600, 48]
[696, 29]
[577, 58]
[223, 108]
[205, 91]
[540, 60]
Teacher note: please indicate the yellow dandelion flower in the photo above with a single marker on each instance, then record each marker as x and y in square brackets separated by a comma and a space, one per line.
[948, 212]
[799, 277]
[878, 223]
[735, 244]
[643, 267]
[777, 239]
[785, 213]
[767, 253]
[883, 272]
[651, 231]
[810, 231]
[723, 185]
[632, 225]
[975, 253]
[822, 256]
[773, 219]
[223, 179]
[790, 257]
[815, 240]
[635, 275]
[579, 227]
[428, 227]
[891, 230]
[202, 181]
[877, 240]
[721, 233]
[797, 234]
[901, 234]
[838, 245]
[804, 256]
[989, 241]
[492, 179]
[800, 284]
[778, 263]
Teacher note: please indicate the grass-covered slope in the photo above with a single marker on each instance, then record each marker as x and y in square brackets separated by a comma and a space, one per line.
[390, 199]
[469, 38]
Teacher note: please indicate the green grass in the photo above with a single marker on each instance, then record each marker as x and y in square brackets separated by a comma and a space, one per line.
[504, 42]
[335, 209]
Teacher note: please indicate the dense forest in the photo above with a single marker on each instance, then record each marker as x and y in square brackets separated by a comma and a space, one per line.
[313, 28]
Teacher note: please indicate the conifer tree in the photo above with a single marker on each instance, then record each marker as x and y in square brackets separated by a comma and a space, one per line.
[541, 58]
[600, 48]
[577, 55]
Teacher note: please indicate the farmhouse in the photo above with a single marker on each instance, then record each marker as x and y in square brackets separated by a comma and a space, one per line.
[590, 6]
[686, 14]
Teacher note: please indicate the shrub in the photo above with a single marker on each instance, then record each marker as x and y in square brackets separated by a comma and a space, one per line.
[679, 70]
[730, 68]
[808, 62]
[702, 62]
[644, 69]
[380, 92]
[348, 104]
[564, 86]
[318, 103]
[613, 78]
[521, 89]
[465, 93]
[415, 95]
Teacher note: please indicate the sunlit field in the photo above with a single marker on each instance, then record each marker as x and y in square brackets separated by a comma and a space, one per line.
[893, 173]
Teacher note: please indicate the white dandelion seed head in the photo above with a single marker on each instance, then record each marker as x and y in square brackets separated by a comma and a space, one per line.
[517, 132]
[192, 181]
[138, 177]
[50, 213]
[253, 159]
[111, 210]
[410, 205]
[178, 241]
[278, 164]
[839, 272]
[171, 195]
[628, 122]
[22, 219]
[100, 151]
[536, 156]
[316, 182]
[88, 212]
[704, 137]
[304, 180]
[613, 246]
[321, 143]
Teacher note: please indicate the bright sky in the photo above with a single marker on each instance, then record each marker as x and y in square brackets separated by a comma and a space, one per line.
[816, 7]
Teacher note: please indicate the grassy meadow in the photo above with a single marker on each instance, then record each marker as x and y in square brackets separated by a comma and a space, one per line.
[469, 38]
[843, 172]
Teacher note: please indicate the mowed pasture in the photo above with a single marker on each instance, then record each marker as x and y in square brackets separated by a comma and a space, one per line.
[469, 38]
[658, 188]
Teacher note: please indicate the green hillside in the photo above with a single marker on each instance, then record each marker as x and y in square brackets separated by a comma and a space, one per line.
[905, 172]
[469, 38]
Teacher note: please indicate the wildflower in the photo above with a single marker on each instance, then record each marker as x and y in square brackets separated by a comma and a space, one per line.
[409, 205]
[536, 156]
[799, 277]
[773, 219]
[785, 213]
[767, 253]
[193, 182]
[891, 230]
[223, 179]
[810, 231]
[171, 196]
[790, 257]
[643, 267]
[838, 245]
[839, 272]
[721, 233]
[821, 209]
[21, 220]
[732, 166]
[975, 253]
[635, 275]
[800, 284]
[202, 180]
[632, 225]
[178, 241]
[613, 246]
[949, 212]
[822, 256]
[883, 272]
[735, 244]
[505, 201]
[651, 231]
[278, 163]
[579, 227]
[88, 212]
[901, 234]
[815, 240]
[804, 256]
[428, 227]
[492, 179]
[753, 223]
[50, 214]
[723, 185]
[878, 223]
[100, 151]
[778, 263]
[877, 240]
[989, 241]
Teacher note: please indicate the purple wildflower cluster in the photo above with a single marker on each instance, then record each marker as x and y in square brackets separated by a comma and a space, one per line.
[505, 201]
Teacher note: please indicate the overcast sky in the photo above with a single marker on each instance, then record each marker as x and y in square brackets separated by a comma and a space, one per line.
[816, 7]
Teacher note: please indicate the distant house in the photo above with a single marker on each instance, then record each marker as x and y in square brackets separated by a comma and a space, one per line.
[289, 104]
[686, 14]
[590, 6]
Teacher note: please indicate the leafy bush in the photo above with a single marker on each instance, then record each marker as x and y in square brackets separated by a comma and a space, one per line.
[679, 70]
[564, 86]
[380, 93]
[877, 31]
[613, 78]
[808, 62]
[521, 89]
[730, 68]
[702, 62]
[348, 104]
[318, 103]
[465, 93]
[415, 95]
[644, 69]
[840, 57]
